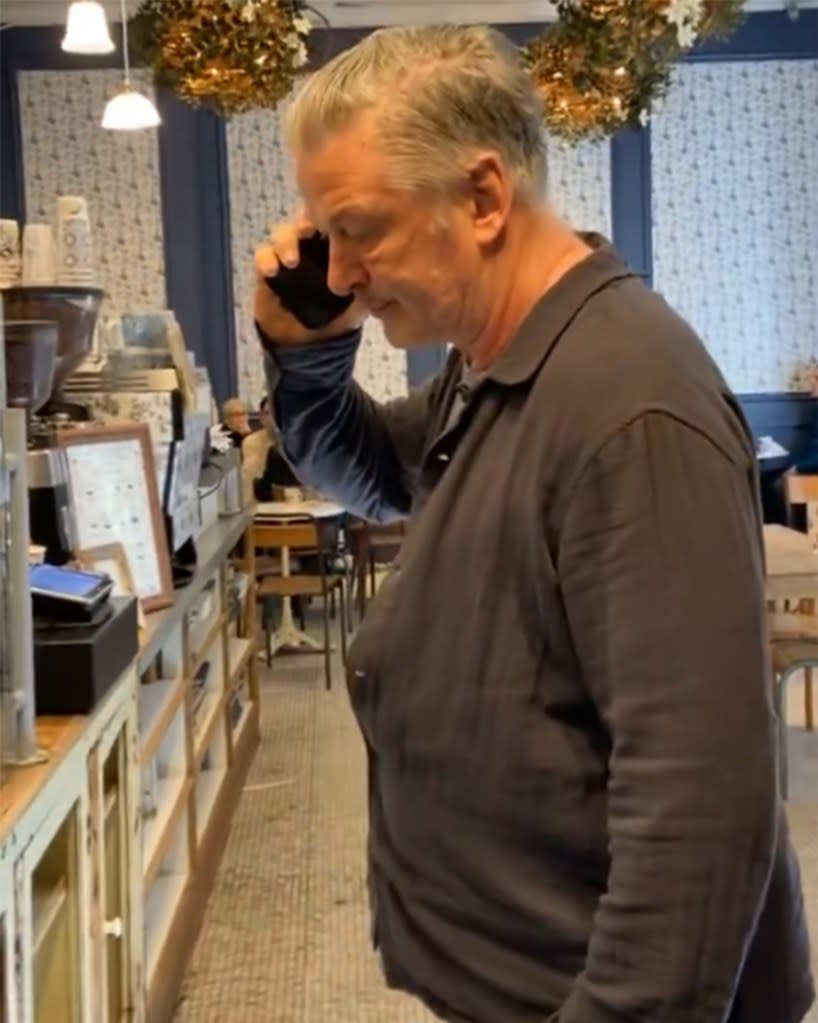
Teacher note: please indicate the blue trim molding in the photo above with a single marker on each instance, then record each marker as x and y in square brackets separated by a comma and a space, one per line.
[196, 216]
[768, 35]
[631, 199]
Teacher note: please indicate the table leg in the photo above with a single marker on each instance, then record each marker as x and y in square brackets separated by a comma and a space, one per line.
[287, 636]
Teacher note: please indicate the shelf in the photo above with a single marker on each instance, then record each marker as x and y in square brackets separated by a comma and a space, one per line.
[158, 830]
[46, 907]
[160, 909]
[208, 786]
[198, 657]
[210, 712]
[158, 703]
[238, 730]
[110, 801]
[212, 548]
[239, 652]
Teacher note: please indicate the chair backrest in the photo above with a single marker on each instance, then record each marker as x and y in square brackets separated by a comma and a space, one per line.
[296, 535]
[803, 490]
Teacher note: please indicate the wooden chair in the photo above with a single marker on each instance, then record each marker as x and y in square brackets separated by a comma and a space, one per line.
[797, 624]
[311, 536]
[371, 545]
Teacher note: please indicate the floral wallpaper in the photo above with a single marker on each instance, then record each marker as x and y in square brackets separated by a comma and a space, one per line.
[66, 152]
[579, 184]
[262, 191]
[735, 215]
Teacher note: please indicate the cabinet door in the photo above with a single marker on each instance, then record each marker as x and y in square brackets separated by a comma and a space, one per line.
[51, 883]
[116, 899]
[8, 979]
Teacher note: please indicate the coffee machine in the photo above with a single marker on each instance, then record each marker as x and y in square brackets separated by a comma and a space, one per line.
[41, 319]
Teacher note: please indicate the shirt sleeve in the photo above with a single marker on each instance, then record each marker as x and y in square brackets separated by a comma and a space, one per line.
[661, 566]
[364, 455]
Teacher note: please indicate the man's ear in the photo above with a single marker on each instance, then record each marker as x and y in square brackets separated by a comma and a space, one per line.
[491, 192]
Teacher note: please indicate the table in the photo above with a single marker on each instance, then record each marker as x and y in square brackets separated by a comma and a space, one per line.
[288, 635]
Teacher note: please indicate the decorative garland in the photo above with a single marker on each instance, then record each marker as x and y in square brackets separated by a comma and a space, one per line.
[605, 63]
[231, 55]
[601, 67]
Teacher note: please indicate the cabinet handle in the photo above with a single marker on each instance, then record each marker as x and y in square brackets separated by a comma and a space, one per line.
[113, 928]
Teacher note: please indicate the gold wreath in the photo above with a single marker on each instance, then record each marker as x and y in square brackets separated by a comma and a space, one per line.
[605, 63]
[232, 55]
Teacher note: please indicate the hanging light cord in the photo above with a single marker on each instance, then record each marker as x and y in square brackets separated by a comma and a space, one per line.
[125, 42]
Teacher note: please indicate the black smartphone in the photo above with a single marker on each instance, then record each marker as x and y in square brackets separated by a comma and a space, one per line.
[303, 289]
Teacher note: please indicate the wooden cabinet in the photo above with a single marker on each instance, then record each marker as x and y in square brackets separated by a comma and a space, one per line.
[51, 884]
[8, 986]
[116, 890]
[109, 846]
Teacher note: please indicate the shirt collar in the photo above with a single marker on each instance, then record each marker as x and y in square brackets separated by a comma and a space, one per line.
[546, 322]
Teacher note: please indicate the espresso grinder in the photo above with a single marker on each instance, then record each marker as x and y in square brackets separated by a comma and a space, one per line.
[49, 333]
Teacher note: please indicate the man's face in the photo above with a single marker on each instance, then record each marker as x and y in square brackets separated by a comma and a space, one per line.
[266, 418]
[413, 262]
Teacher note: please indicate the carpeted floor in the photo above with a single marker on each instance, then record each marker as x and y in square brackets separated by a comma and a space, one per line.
[286, 934]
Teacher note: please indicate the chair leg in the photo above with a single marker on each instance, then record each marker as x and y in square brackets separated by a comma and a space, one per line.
[372, 578]
[809, 707]
[361, 589]
[332, 604]
[327, 650]
[343, 606]
[268, 638]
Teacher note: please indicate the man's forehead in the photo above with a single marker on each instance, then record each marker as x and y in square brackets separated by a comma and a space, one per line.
[347, 161]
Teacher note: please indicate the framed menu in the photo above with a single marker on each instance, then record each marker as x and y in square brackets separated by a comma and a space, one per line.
[115, 499]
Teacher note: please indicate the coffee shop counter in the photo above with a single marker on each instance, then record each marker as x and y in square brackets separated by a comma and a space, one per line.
[109, 845]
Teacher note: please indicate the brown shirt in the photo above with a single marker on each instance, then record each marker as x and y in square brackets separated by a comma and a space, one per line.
[563, 686]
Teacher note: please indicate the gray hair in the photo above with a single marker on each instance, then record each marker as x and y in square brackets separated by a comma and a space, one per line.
[440, 94]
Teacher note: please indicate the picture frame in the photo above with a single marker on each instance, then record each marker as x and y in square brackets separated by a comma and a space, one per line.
[115, 499]
[112, 560]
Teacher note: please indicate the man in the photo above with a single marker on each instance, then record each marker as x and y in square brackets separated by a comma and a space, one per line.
[254, 449]
[563, 686]
[236, 420]
[263, 466]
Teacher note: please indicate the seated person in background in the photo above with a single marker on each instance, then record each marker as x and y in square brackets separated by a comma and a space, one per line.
[236, 420]
[263, 464]
[254, 450]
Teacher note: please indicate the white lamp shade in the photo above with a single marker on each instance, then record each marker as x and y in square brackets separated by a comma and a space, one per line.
[130, 111]
[87, 30]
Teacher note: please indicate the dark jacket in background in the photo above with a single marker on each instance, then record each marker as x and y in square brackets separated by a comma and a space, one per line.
[563, 686]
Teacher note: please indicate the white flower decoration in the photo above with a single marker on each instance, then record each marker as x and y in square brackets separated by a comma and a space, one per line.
[302, 25]
[686, 16]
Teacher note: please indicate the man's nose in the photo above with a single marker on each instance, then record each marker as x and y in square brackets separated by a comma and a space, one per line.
[345, 274]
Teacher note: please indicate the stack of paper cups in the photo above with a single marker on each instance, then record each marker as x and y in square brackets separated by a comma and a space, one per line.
[9, 253]
[75, 254]
[39, 255]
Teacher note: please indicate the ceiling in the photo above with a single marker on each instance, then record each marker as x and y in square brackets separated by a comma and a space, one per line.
[356, 13]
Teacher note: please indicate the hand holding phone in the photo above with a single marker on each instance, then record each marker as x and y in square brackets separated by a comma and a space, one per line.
[303, 290]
